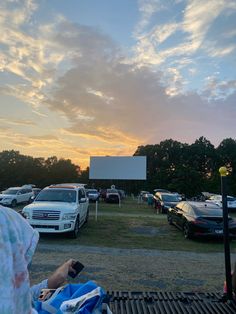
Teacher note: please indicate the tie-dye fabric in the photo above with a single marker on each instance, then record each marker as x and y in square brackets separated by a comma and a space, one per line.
[18, 241]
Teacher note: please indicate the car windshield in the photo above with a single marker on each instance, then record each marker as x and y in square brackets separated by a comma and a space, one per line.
[50, 195]
[10, 191]
[170, 198]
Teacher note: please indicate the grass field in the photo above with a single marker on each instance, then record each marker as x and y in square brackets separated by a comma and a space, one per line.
[137, 226]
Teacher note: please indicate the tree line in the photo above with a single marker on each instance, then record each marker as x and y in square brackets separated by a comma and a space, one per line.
[185, 168]
[17, 169]
[189, 169]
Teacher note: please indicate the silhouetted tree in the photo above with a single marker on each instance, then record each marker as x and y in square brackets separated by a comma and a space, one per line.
[17, 169]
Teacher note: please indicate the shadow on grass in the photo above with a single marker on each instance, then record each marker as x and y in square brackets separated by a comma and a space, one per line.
[136, 233]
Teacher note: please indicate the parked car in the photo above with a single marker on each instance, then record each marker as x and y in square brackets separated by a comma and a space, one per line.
[162, 201]
[147, 196]
[181, 197]
[59, 208]
[199, 219]
[161, 190]
[217, 199]
[103, 194]
[92, 194]
[122, 194]
[35, 193]
[143, 195]
[16, 195]
[112, 196]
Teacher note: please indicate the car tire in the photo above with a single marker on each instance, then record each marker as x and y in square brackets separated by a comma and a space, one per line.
[13, 203]
[74, 234]
[186, 231]
[169, 219]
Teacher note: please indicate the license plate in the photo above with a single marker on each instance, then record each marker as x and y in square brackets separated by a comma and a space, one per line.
[219, 231]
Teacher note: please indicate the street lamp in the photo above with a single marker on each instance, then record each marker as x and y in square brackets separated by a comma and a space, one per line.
[223, 173]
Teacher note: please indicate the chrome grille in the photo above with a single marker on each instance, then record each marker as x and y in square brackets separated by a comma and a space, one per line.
[45, 227]
[46, 214]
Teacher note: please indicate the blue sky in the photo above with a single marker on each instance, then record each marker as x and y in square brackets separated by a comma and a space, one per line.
[83, 78]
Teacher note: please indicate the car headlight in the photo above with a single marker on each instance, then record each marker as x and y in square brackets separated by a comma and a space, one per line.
[7, 200]
[69, 216]
[26, 215]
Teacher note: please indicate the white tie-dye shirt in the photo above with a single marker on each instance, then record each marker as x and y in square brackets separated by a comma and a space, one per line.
[18, 241]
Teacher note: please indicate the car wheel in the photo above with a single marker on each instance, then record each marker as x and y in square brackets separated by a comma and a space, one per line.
[186, 231]
[169, 219]
[74, 234]
[13, 203]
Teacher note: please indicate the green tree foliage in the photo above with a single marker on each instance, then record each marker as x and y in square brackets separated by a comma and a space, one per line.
[189, 169]
[226, 152]
[60, 171]
[17, 170]
[185, 168]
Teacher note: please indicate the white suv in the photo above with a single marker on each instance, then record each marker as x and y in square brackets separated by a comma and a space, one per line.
[16, 195]
[59, 208]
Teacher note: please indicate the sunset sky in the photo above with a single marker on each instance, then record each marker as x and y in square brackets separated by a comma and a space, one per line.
[81, 78]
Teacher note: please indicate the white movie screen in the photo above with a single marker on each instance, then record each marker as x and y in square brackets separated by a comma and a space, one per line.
[120, 168]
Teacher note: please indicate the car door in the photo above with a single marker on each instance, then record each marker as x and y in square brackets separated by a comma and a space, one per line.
[83, 204]
[178, 214]
[186, 209]
[27, 195]
[21, 196]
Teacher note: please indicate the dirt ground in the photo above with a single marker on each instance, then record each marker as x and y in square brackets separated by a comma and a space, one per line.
[135, 269]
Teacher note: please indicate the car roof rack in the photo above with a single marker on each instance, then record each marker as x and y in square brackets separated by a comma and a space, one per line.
[67, 185]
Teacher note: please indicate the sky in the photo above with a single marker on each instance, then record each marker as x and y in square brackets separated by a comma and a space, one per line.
[81, 78]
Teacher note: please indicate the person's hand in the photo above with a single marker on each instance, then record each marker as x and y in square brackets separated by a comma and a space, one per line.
[60, 275]
[64, 269]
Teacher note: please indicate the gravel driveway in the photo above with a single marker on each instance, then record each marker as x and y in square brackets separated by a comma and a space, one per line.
[135, 269]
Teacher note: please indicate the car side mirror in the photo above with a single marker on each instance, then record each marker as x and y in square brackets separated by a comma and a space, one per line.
[83, 200]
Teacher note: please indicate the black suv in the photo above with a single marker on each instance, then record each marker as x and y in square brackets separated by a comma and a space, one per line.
[162, 201]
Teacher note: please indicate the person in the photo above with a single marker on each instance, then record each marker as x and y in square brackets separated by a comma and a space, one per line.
[56, 280]
[18, 241]
[233, 277]
[234, 280]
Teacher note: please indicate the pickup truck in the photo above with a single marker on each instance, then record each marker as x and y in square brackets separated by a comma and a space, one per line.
[60, 208]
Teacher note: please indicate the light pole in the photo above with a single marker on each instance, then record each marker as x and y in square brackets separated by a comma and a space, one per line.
[223, 173]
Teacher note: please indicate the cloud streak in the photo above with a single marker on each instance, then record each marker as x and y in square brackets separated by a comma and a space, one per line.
[17, 122]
